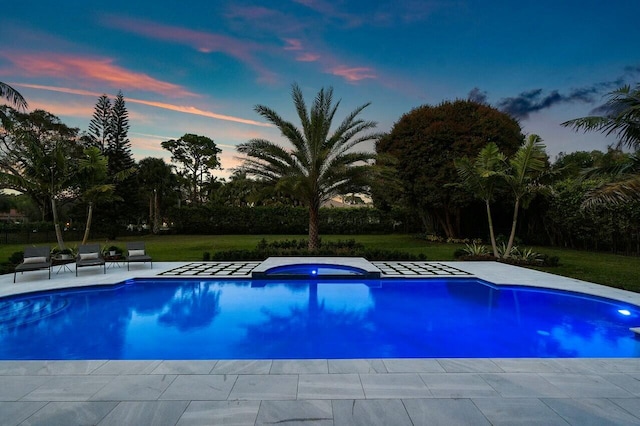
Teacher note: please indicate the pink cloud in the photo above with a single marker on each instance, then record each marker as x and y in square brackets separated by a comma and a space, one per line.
[353, 74]
[308, 57]
[293, 44]
[171, 107]
[204, 42]
[90, 70]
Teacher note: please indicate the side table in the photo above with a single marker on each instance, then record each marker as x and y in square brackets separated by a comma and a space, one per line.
[113, 261]
[62, 264]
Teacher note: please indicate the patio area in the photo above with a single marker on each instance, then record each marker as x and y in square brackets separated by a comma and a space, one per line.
[325, 392]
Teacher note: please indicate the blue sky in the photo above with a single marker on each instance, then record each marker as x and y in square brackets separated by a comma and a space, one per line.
[201, 67]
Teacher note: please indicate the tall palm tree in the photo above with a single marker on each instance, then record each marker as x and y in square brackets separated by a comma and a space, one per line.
[480, 176]
[321, 164]
[13, 96]
[623, 119]
[526, 165]
[15, 99]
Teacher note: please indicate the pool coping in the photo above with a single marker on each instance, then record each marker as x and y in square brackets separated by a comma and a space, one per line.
[478, 390]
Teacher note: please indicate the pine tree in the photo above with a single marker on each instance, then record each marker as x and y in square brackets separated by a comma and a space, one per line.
[99, 127]
[119, 147]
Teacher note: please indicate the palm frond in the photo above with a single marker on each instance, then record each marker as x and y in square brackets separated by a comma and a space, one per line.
[13, 96]
[619, 192]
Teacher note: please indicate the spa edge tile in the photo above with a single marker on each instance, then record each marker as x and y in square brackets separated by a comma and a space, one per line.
[157, 413]
[292, 413]
[444, 412]
[236, 413]
[329, 386]
[394, 385]
[70, 413]
[206, 387]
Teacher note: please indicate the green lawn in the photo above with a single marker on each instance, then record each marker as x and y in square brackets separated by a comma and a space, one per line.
[603, 268]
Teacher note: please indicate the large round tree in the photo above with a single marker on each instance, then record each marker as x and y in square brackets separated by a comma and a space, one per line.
[321, 163]
[424, 144]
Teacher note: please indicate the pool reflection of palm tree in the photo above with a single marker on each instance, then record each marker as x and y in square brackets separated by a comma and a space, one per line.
[308, 331]
[194, 305]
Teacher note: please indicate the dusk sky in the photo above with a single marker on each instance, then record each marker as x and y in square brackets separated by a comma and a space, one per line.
[201, 67]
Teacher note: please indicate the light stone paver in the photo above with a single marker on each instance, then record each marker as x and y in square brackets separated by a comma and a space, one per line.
[522, 385]
[200, 387]
[394, 385]
[184, 367]
[228, 413]
[469, 365]
[13, 388]
[632, 405]
[68, 388]
[301, 366]
[13, 413]
[458, 385]
[444, 412]
[70, 413]
[628, 382]
[356, 366]
[242, 367]
[265, 387]
[295, 413]
[329, 386]
[585, 386]
[134, 388]
[157, 413]
[370, 412]
[414, 365]
[518, 411]
[591, 411]
[118, 367]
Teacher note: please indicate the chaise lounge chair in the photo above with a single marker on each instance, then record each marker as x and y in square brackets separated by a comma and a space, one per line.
[89, 255]
[136, 252]
[35, 258]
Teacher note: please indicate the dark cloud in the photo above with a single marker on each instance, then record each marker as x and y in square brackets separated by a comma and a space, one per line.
[477, 95]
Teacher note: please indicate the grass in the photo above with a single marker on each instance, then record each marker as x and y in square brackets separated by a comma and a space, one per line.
[602, 268]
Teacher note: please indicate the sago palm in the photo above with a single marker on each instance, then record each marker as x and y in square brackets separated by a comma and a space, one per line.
[321, 164]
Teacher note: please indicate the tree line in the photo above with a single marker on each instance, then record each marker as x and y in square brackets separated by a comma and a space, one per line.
[446, 165]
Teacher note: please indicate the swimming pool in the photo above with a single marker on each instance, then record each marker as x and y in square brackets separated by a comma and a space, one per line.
[292, 319]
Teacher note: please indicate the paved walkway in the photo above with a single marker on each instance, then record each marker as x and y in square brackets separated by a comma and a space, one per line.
[323, 392]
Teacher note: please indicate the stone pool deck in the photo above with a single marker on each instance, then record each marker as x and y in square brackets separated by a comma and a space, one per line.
[323, 392]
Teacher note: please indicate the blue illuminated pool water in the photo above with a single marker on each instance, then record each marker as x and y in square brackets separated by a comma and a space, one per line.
[217, 319]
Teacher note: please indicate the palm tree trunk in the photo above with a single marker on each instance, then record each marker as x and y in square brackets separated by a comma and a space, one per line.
[156, 213]
[56, 225]
[512, 236]
[492, 235]
[314, 226]
[87, 228]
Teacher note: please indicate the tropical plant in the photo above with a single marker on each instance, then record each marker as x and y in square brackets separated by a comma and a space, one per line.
[158, 183]
[93, 182]
[622, 118]
[475, 249]
[525, 168]
[480, 177]
[321, 164]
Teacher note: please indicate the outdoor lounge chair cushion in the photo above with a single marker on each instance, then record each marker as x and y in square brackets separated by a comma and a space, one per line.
[136, 253]
[35, 259]
[87, 256]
